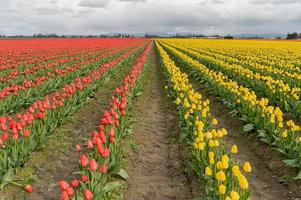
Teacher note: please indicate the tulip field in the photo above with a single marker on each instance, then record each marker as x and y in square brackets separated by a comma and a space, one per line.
[87, 119]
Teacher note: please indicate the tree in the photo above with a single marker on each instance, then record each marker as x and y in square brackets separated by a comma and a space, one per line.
[291, 36]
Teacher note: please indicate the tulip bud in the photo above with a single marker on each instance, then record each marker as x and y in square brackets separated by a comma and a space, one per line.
[63, 185]
[78, 147]
[84, 160]
[70, 191]
[106, 153]
[93, 165]
[75, 183]
[112, 132]
[84, 178]
[103, 169]
[88, 195]
[89, 144]
[64, 196]
[29, 188]
[26, 133]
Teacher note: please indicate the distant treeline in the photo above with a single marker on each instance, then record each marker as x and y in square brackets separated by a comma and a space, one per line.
[188, 35]
[290, 36]
[293, 36]
[118, 35]
[54, 35]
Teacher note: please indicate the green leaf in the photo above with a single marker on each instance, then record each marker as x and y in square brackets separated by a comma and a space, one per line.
[112, 186]
[261, 133]
[298, 177]
[292, 162]
[122, 173]
[248, 127]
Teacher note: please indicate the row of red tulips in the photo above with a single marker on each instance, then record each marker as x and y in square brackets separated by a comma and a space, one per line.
[23, 133]
[18, 97]
[27, 55]
[101, 154]
[40, 63]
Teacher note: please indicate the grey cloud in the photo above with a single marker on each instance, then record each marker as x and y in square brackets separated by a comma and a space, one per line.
[274, 1]
[93, 3]
[133, 0]
[200, 16]
[52, 1]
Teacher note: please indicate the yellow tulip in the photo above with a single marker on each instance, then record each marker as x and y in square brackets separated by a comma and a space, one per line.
[247, 167]
[222, 189]
[234, 195]
[208, 171]
[220, 176]
[234, 149]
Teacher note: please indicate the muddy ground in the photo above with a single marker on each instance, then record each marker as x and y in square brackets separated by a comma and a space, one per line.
[155, 163]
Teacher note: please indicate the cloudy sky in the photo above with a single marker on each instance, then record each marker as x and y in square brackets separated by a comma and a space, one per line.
[153, 16]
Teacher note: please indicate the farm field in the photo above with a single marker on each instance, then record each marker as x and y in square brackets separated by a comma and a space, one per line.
[139, 118]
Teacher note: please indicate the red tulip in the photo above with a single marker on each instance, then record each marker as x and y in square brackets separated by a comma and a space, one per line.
[84, 178]
[64, 195]
[40, 115]
[106, 153]
[89, 144]
[63, 185]
[112, 132]
[78, 147]
[26, 133]
[103, 169]
[15, 136]
[70, 191]
[88, 195]
[29, 188]
[93, 165]
[100, 149]
[84, 161]
[75, 183]
[3, 127]
[112, 139]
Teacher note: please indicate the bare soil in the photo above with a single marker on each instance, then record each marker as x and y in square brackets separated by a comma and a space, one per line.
[155, 163]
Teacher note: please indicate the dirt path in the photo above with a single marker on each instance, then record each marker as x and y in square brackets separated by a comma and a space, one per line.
[267, 166]
[155, 166]
[59, 159]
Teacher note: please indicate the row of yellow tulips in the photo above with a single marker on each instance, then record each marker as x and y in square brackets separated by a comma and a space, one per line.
[222, 177]
[285, 55]
[277, 91]
[267, 119]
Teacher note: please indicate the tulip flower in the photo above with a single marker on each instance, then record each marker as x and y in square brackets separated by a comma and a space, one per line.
[75, 183]
[70, 191]
[93, 165]
[84, 161]
[65, 195]
[89, 144]
[63, 185]
[26, 133]
[29, 188]
[78, 147]
[103, 169]
[84, 178]
[88, 195]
